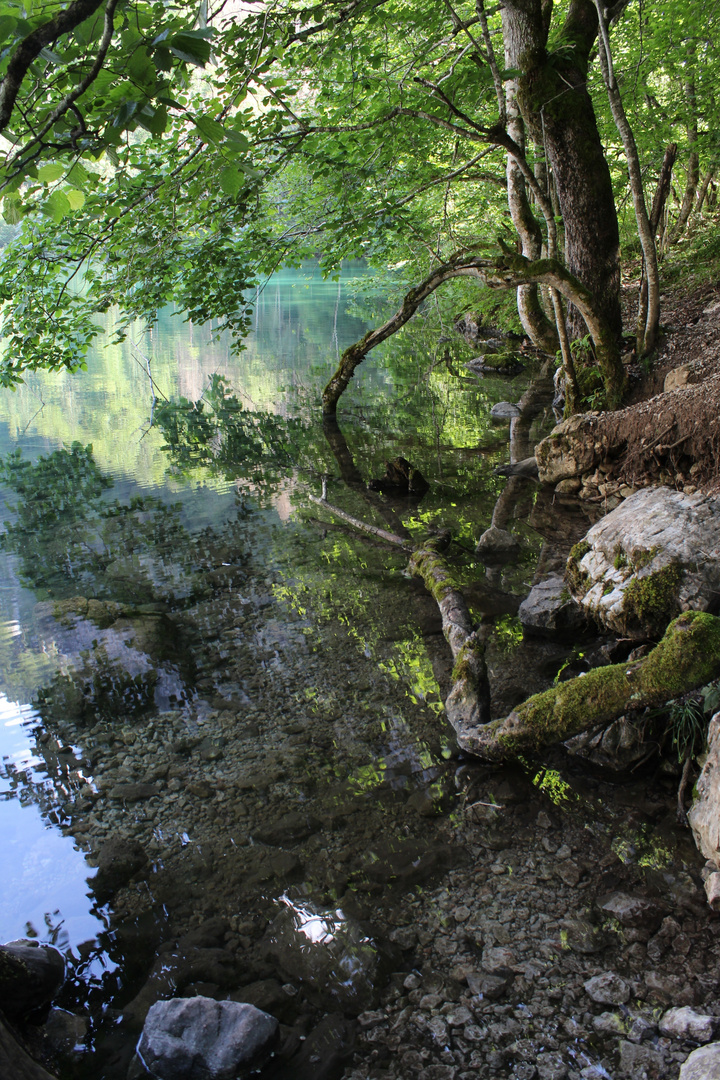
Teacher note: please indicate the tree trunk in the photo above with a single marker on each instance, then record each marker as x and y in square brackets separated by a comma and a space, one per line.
[557, 109]
[506, 272]
[693, 169]
[656, 213]
[468, 703]
[649, 319]
[687, 657]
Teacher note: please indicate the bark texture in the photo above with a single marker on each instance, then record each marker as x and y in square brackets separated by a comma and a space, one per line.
[558, 111]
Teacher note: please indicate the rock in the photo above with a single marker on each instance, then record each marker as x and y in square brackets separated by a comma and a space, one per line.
[324, 1052]
[133, 792]
[15, 1063]
[608, 989]
[685, 1023]
[117, 861]
[619, 746]
[202, 1039]
[30, 976]
[497, 545]
[703, 1064]
[527, 467]
[704, 815]
[637, 1062]
[327, 950]
[570, 486]
[400, 478]
[677, 378]
[657, 554]
[549, 609]
[290, 828]
[635, 911]
[489, 986]
[569, 450]
[712, 891]
[66, 1033]
[171, 973]
[504, 410]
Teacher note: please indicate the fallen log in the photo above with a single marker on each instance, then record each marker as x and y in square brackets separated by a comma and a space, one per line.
[469, 700]
[687, 657]
[468, 703]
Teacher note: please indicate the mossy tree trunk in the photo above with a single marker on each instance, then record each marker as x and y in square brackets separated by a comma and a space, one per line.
[687, 657]
[468, 703]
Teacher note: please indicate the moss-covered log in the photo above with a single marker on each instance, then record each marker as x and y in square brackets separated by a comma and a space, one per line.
[468, 704]
[687, 657]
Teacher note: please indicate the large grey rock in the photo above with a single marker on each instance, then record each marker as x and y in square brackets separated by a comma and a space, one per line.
[550, 609]
[685, 1023]
[654, 556]
[572, 448]
[703, 1064]
[704, 816]
[199, 1038]
[497, 545]
[504, 410]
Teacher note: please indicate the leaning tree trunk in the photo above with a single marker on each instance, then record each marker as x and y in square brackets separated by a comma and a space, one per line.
[558, 111]
[687, 657]
[507, 272]
[693, 170]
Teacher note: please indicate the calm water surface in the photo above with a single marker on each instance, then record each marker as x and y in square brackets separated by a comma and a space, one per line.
[207, 686]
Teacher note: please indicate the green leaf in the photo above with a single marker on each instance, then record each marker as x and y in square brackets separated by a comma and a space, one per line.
[12, 211]
[75, 198]
[56, 206]
[141, 70]
[210, 130]
[190, 47]
[53, 171]
[231, 182]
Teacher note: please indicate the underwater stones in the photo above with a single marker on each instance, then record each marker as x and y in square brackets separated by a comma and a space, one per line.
[199, 1038]
[634, 911]
[30, 976]
[497, 545]
[117, 861]
[549, 609]
[655, 555]
[608, 989]
[325, 949]
[291, 828]
[685, 1023]
[704, 816]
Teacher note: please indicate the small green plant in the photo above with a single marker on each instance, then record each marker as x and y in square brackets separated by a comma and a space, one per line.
[621, 560]
[688, 725]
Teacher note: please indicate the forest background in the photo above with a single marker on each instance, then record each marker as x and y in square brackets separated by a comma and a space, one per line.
[168, 153]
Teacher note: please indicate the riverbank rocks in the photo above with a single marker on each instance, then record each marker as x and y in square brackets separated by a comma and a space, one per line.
[572, 448]
[550, 609]
[199, 1038]
[642, 564]
[30, 976]
[703, 1064]
[704, 816]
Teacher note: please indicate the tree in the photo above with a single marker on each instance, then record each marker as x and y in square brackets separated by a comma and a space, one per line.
[370, 127]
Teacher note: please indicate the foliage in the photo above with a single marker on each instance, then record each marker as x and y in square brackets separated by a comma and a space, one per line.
[199, 151]
[219, 433]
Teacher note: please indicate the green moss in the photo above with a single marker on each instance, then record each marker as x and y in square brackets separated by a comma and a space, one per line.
[578, 551]
[643, 558]
[466, 663]
[653, 600]
[687, 657]
[577, 579]
[621, 560]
